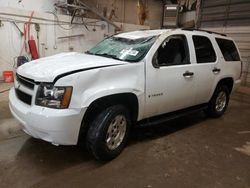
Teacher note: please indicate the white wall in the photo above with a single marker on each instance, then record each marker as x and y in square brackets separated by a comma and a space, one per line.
[49, 44]
[36, 5]
[127, 11]
[12, 42]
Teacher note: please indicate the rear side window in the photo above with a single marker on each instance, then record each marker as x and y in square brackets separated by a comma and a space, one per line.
[204, 49]
[228, 49]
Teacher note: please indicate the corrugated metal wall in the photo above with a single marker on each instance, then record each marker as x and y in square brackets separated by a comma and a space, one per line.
[225, 13]
[231, 17]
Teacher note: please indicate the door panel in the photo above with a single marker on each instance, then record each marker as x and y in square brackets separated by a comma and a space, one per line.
[206, 68]
[168, 90]
[204, 82]
[170, 78]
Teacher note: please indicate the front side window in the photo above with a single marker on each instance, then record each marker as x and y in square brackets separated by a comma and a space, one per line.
[124, 49]
[173, 51]
[228, 49]
[204, 49]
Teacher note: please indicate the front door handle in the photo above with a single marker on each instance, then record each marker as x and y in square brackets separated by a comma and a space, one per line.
[188, 74]
[216, 70]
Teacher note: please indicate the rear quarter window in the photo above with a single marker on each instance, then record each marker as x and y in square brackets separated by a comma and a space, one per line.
[228, 49]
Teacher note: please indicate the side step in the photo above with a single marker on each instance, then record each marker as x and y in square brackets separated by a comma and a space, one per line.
[170, 116]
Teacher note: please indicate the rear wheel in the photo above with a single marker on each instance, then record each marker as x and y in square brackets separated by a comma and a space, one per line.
[108, 133]
[219, 102]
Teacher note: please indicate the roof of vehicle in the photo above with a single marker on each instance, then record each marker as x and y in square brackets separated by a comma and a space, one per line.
[150, 33]
[142, 34]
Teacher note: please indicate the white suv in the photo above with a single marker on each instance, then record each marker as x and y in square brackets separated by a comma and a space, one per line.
[97, 96]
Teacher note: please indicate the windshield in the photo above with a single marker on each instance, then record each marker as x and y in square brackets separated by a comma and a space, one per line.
[123, 49]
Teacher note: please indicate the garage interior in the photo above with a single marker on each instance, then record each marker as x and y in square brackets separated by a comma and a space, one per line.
[190, 151]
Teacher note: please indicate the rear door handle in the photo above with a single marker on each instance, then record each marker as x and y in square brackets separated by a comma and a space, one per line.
[188, 74]
[216, 70]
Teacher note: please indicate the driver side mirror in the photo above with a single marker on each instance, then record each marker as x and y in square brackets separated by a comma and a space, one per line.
[155, 61]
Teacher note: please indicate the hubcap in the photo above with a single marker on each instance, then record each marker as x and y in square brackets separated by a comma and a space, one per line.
[221, 101]
[116, 132]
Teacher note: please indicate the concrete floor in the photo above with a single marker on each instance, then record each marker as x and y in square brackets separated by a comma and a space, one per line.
[192, 151]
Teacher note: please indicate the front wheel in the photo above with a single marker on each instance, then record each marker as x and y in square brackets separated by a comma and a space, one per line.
[219, 102]
[108, 133]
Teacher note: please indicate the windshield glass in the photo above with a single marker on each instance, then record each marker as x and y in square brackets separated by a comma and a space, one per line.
[123, 49]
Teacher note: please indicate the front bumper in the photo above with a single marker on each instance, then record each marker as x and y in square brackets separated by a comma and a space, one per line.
[58, 126]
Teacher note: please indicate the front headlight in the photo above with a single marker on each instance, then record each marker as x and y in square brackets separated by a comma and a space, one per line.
[52, 96]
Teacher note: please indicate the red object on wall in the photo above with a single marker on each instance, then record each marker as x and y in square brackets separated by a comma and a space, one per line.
[8, 76]
[30, 40]
[33, 49]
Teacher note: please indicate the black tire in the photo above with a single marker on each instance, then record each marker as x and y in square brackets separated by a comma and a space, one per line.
[98, 130]
[212, 110]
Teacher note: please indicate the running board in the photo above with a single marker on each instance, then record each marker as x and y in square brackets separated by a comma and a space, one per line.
[170, 116]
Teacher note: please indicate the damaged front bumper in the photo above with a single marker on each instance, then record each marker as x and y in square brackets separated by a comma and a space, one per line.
[58, 126]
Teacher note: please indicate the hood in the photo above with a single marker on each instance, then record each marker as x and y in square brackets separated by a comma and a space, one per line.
[47, 69]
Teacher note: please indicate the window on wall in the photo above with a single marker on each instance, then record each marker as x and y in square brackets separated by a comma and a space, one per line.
[204, 49]
[173, 51]
[228, 49]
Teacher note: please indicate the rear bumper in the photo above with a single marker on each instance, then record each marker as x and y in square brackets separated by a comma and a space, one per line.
[236, 85]
[60, 127]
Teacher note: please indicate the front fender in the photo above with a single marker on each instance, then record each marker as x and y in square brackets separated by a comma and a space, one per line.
[94, 84]
[89, 96]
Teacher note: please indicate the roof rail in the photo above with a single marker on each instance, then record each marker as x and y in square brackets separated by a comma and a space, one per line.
[210, 32]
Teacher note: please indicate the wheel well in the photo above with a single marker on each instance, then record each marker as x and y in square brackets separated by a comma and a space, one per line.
[227, 82]
[129, 100]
